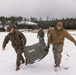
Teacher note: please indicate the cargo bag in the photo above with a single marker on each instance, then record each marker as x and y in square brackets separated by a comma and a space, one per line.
[36, 52]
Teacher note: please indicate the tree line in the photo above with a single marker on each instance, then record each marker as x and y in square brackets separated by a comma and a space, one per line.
[68, 23]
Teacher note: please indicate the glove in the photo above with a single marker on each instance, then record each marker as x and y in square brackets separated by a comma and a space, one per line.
[47, 47]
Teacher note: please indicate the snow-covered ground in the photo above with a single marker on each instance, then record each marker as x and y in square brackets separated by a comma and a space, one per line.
[44, 67]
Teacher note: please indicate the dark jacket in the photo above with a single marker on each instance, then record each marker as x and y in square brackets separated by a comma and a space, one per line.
[17, 38]
[40, 34]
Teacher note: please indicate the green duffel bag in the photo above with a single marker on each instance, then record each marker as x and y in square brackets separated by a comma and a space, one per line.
[36, 52]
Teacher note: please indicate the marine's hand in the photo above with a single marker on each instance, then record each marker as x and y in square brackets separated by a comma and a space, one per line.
[47, 47]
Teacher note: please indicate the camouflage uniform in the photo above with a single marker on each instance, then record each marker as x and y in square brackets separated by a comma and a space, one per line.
[18, 40]
[56, 38]
[40, 35]
[57, 50]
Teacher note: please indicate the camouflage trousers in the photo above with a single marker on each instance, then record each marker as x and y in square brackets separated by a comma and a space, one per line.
[57, 50]
[40, 39]
[19, 52]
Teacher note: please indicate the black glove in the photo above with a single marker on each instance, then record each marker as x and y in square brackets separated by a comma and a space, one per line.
[47, 47]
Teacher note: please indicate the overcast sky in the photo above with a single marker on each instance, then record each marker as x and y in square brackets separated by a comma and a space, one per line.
[38, 8]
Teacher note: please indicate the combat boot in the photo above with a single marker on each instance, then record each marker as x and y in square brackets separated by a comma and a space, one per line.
[23, 61]
[17, 68]
[26, 62]
[57, 65]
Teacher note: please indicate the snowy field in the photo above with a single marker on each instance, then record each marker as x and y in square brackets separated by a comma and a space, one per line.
[44, 67]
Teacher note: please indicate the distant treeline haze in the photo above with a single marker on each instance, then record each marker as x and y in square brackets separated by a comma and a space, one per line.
[68, 23]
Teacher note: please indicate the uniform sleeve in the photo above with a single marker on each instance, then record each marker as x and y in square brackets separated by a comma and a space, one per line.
[5, 41]
[49, 38]
[23, 38]
[68, 36]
